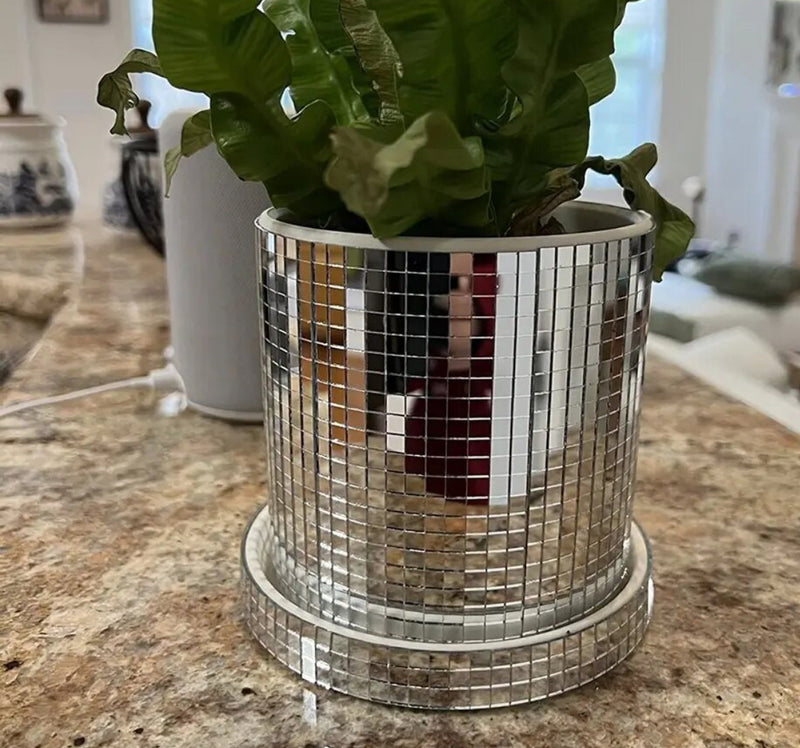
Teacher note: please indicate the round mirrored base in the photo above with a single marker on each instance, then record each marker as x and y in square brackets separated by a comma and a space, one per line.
[436, 675]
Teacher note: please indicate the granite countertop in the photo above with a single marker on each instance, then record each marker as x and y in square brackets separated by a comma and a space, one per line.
[119, 563]
[37, 272]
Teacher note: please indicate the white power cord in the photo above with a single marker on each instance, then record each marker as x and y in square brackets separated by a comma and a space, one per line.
[166, 380]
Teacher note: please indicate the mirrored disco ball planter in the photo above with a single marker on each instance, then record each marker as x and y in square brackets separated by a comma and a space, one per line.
[452, 432]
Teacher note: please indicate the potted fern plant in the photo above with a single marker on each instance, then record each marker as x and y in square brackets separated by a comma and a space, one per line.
[496, 561]
[442, 119]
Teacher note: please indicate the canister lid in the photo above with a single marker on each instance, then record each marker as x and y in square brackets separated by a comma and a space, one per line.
[143, 126]
[141, 131]
[14, 114]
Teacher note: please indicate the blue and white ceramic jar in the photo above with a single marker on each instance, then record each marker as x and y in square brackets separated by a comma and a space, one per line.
[38, 186]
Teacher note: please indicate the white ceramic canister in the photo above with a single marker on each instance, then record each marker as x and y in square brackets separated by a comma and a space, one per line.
[38, 186]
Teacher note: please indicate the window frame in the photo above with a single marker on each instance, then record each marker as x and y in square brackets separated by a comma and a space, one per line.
[652, 17]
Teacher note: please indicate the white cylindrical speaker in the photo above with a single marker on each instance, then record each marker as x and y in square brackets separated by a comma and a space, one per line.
[212, 281]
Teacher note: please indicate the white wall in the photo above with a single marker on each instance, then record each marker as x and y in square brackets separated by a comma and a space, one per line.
[784, 197]
[753, 140]
[686, 84]
[15, 64]
[739, 163]
[60, 65]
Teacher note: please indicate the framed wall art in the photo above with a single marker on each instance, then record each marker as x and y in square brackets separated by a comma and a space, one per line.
[785, 47]
[73, 11]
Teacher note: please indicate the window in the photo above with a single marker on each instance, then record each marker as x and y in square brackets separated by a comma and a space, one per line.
[630, 116]
[165, 98]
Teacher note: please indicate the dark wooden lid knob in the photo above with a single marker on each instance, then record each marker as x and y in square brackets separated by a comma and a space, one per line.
[14, 97]
[143, 110]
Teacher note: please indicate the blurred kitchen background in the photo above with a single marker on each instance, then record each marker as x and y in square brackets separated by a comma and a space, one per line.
[693, 77]
[715, 83]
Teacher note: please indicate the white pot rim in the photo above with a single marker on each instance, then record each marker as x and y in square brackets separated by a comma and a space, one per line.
[632, 224]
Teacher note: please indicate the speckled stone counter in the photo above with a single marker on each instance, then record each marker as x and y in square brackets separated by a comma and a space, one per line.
[37, 272]
[120, 527]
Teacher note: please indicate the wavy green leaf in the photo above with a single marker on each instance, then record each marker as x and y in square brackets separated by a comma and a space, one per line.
[317, 74]
[235, 54]
[558, 187]
[599, 78]
[289, 158]
[675, 228]
[429, 172]
[556, 38]
[115, 90]
[327, 20]
[548, 73]
[220, 46]
[452, 54]
[195, 136]
[376, 54]
[622, 6]
[522, 155]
